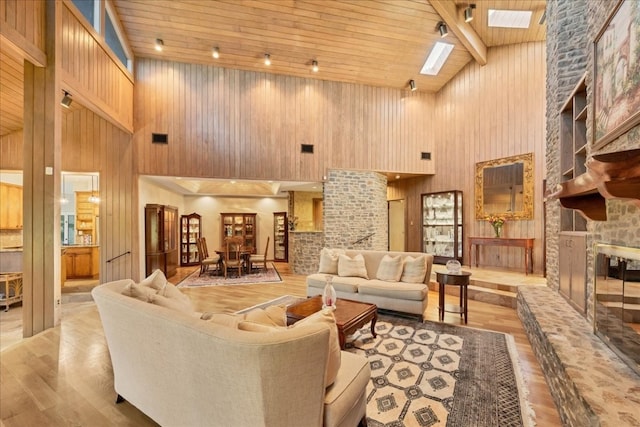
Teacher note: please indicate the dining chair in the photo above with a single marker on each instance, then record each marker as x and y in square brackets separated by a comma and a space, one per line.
[205, 260]
[233, 257]
[260, 258]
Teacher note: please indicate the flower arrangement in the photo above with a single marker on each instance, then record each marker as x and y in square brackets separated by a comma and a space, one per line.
[496, 222]
[293, 222]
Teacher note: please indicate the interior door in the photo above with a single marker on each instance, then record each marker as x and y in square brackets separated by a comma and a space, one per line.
[397, 241]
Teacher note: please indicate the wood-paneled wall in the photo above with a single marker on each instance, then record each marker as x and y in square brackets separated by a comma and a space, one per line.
[92, 144]
[231, 123]
[23, 27]
[485, 113]
[90, 72]
[11, 153]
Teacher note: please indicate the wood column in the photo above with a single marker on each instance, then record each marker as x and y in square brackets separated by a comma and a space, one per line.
[42, 161]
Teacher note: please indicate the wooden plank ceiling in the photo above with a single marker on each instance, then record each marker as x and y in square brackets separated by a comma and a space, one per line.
[371, 42]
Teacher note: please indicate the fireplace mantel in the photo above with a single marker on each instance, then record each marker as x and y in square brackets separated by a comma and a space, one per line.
[608, 176]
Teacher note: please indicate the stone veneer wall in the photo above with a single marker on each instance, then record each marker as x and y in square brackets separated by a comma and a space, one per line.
[572, 27]
[355, 205]
[304, 251]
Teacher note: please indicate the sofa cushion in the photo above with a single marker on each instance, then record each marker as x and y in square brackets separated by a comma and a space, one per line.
[352, 267]
[340, 284]
[341, 395]
[171, 303]
[414, 269]
[335, 354]
[163, 287]
[390, 268]
[329, 260]
[396, 290]
[224, 319]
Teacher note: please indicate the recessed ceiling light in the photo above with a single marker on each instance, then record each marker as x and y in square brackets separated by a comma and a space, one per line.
[233, 182]
[436, 58]
[267, 59]
[314, 66]
[216, 53]
[509, 18]
[159, 45]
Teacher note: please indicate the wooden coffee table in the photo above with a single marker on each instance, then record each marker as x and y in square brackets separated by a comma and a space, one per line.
[350, 315]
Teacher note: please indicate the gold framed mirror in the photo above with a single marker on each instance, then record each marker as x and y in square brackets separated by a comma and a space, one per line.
[504, 187]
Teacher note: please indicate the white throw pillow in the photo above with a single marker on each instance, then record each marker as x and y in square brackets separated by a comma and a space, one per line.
[352, 267]
[390, 268]
[414, 269]
[163, 287]
[335, 356]
[137, 291]
[329, 260]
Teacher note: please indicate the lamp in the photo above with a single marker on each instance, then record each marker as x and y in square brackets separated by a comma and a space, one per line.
[93, 198]
[412, 85]
[66, 100]
[216, 52]
[442, 27]
[267, 59]
[468, 13]
[314, 66]
[159, 45]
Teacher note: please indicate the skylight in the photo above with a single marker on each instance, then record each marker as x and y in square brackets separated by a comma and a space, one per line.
[436, 58]
[509, 18]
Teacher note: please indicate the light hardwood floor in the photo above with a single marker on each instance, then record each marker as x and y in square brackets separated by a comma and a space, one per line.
[63, 376]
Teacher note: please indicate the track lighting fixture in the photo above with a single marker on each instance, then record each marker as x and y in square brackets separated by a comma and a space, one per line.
[216, 52]
[66, 100]
[159, 45]
[412, 85]
[442, 27]
[314, 66]
[267, 59]
[468, 13]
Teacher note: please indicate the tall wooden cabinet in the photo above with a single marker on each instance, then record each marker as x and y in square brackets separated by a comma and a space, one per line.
[240, 225]
[190, 232]
[161, 239]
[87, 211]
[10, 206]
[280, 237]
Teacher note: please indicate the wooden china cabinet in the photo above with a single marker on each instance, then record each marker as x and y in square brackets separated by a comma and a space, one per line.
[161, 239]
[242, 225]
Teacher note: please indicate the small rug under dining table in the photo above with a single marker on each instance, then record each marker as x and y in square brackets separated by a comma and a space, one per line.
[196, 280]
[435, 374]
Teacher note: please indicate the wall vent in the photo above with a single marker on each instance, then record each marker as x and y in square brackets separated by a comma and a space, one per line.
[306, 148]
[425, 156]
[159, 138]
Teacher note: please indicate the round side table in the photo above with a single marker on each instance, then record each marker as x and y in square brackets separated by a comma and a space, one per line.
[457, 279]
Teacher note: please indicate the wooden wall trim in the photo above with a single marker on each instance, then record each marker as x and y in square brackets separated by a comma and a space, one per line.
[23, 28]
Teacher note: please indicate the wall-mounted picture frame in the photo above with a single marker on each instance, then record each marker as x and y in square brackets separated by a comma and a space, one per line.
[617, 74]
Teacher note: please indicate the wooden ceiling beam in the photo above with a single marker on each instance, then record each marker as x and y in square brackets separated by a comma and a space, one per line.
[454, 18]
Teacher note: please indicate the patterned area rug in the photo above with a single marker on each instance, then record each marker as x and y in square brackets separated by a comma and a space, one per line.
[194, 280]
[434, 374]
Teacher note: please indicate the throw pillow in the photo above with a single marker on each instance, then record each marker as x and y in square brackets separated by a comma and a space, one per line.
[267, 316]
[414, 269]
[352, 267]
[329, 260]
[223, 319]
[334, 359]
[250, 326]
[137, 291]
[163, 287]
[390, 268]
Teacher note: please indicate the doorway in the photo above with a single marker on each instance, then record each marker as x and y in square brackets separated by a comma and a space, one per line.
[397, 238]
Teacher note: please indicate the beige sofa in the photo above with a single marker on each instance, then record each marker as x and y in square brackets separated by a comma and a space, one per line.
[181, 370]
[392, 293]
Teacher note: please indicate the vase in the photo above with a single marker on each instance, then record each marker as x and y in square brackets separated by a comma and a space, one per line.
[497, 228]
[329, 295]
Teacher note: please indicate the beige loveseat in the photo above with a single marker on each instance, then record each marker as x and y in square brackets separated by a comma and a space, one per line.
[182, 370]
[392, 287]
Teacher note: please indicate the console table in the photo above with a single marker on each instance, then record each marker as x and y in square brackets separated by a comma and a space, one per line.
[527, 244]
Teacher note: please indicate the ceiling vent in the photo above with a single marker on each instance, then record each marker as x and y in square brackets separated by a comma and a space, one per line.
[425, 155]
[306, 148]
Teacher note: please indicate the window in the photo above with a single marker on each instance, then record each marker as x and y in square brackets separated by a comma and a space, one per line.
[88, 9]
[113, 40]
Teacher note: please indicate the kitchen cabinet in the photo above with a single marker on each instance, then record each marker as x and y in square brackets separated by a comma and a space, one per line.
[10, 206]
[280, 237]
[81, 262]
[240, 225]
[87, 212]
[161, 239]
[190, 232]
[442, 225]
